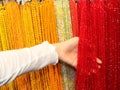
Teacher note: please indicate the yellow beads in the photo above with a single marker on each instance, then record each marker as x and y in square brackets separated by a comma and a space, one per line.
[3, 30]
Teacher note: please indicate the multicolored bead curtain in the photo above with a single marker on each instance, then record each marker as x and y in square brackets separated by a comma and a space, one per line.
[24, 26]
[62, 10]
[99, 30]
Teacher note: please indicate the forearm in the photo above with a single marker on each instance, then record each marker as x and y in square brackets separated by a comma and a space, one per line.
[16, 62]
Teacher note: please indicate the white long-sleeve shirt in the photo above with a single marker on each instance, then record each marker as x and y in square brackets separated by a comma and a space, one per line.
[16, 62]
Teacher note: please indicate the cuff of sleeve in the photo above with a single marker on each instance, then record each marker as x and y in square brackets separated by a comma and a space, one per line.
[44, 54]
[54, 55]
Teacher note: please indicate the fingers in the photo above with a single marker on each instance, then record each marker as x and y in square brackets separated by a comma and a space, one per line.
[99, 62]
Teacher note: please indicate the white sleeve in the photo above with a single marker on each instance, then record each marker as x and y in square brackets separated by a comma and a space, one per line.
[16, 62]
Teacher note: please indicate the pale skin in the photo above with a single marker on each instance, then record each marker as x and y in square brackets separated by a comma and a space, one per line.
[67, 52]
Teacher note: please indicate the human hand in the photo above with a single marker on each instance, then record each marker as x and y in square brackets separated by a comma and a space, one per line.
[68, 50]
